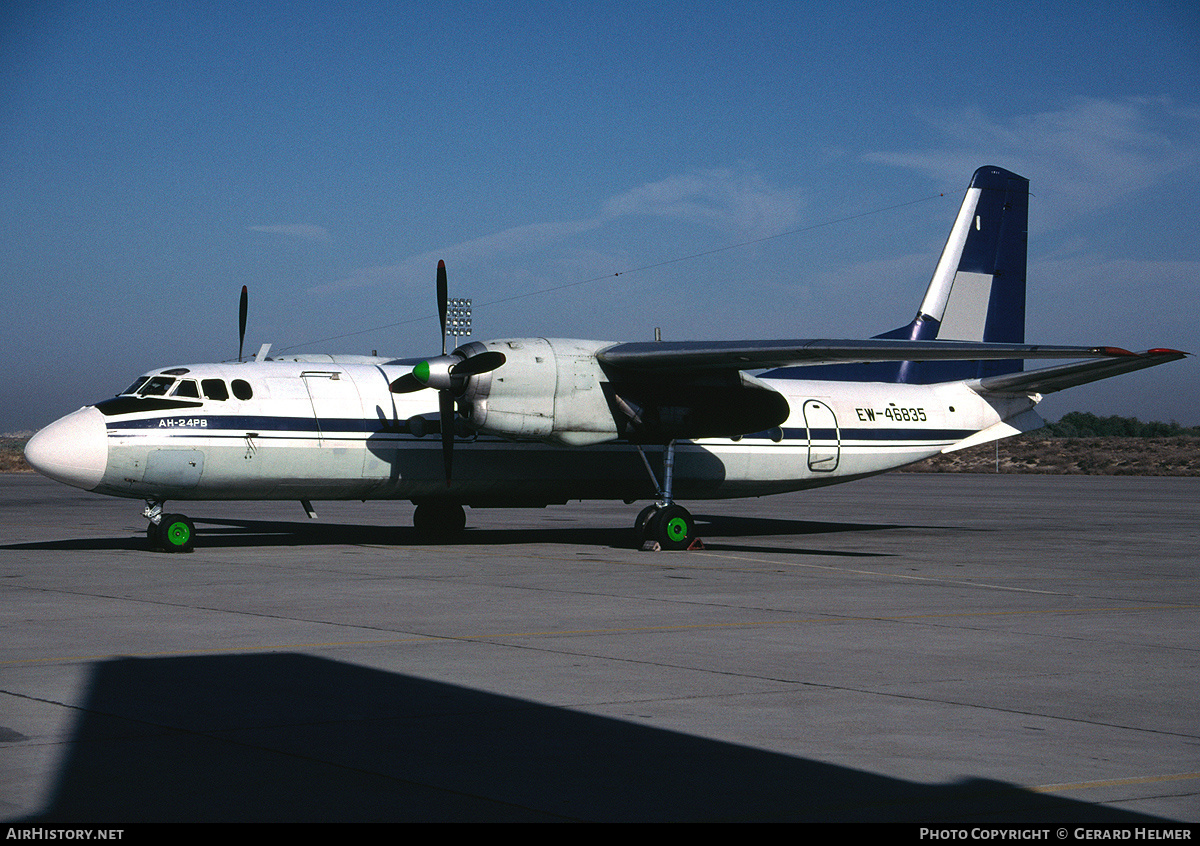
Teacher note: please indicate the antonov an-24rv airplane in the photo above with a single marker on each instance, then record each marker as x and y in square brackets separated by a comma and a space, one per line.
[535, 421]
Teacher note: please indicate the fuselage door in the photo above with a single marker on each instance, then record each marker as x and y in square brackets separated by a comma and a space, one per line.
[824, 438]
[335, 402]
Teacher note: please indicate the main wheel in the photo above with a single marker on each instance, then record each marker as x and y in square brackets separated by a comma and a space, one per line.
[673, 527]
[643, 521]
[439, 520]
[174, 533]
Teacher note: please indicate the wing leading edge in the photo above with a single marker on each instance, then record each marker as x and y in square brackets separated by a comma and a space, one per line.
[681, 358]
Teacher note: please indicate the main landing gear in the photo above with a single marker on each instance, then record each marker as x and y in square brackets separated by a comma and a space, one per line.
[439, 520]
[664, 522]
[168, 532]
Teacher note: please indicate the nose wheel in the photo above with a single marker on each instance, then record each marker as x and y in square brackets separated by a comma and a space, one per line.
[168, 532]
[176, 533]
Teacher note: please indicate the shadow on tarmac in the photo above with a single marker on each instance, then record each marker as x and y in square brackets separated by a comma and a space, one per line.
[233, 533]
[287, 737]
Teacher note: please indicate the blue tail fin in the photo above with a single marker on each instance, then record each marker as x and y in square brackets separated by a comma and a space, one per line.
[978, 289]
[977, 292]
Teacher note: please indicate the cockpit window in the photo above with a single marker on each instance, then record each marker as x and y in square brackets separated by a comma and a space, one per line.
[241, 389]
[214, 389]
[137, 383]
[156, 386]
[186, 388]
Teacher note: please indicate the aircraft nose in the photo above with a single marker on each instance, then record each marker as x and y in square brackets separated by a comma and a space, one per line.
[72, 450]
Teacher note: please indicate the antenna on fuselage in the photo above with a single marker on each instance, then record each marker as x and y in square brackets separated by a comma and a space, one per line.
[242, 308]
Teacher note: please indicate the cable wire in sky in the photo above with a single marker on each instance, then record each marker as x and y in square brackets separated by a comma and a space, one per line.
[799, 230]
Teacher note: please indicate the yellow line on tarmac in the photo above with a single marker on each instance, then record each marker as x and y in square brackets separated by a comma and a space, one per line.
[1113, 782]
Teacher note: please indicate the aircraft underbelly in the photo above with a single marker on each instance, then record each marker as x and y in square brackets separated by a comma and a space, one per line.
[484, 470]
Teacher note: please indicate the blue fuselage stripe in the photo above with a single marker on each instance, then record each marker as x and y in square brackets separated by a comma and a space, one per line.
[226, 425]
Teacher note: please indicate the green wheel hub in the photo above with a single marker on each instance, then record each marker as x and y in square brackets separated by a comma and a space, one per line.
[677, 529]
[178, 534]
[174, 533]
[672, 526]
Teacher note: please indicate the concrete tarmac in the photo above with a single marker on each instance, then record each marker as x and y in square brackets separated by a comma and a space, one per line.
[955, 650]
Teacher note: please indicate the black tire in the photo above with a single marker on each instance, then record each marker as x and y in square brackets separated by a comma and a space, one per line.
[439, 520]
[174, 533]
[673, 527]
[642, 523]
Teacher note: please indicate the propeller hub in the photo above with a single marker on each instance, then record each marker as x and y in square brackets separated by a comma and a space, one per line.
[438, 373]
[421, 371]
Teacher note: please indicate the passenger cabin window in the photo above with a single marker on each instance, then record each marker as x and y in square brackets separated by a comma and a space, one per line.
[214, 389]
[186, 388]
[241, 389]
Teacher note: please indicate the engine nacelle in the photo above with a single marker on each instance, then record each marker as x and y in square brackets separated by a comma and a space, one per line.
[549, 389]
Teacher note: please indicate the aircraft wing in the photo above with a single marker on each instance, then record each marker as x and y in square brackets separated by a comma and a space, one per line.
[684, 357]
[1050, 379]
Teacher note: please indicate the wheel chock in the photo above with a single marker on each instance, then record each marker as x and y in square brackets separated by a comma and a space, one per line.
[655, 546]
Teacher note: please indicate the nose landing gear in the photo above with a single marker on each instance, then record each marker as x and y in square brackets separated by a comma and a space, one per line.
[168, 532]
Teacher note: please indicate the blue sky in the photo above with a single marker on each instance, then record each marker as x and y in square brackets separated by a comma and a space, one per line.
[155, 159]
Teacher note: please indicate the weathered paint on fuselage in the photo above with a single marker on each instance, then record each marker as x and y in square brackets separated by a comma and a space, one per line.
[317, 431]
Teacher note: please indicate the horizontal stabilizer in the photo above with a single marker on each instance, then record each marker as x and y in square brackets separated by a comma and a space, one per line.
[1047, 380]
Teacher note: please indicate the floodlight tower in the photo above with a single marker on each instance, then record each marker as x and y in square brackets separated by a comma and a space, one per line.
[458, 318]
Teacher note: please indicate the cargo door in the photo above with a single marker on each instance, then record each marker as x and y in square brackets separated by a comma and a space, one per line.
[335, 403]
[824, 437]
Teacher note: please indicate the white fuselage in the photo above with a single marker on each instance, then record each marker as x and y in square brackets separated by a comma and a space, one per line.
[311, 430]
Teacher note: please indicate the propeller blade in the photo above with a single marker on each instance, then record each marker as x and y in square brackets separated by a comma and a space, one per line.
[442, 297]
[446, 406]
[406, 384]
[483, 362]
[243, 307]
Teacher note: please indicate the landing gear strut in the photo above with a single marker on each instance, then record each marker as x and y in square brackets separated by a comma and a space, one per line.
[168, 532]
[664, 522]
